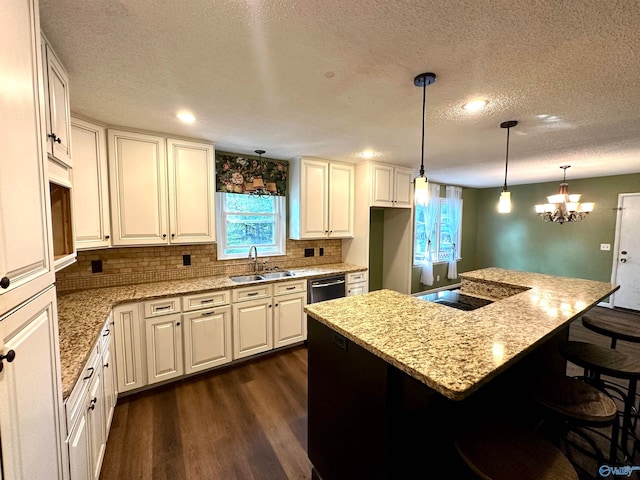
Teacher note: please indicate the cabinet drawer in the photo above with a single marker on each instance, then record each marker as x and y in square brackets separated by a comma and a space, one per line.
[356, 277]
[75, 403]
[163, 306]
[289, 287]
[206, 300]
[251, 293]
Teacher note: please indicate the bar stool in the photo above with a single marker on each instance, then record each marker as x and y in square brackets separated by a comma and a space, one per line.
[597, 361]
[575, 405]
[499, 452]
[614, 327]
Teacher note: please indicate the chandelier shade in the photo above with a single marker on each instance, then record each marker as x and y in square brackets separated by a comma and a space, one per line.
[564, 207]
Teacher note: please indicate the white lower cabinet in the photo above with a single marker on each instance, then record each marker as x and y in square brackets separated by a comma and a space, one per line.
[252, 327]
[207, 338]
[128, 347]
[86, 408]
[289, 319]
[164, 348]
[110, 379]
[357, 283]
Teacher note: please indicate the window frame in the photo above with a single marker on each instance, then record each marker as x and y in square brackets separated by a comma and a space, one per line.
[280, 228]
[436, 252]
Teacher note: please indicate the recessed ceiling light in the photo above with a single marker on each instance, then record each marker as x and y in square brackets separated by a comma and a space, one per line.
[475, 105]
[542, 115]
[367, 154]
[186, 117]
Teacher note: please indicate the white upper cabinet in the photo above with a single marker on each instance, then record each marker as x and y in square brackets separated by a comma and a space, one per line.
[390, 186]
[321, 201]
[58, 115]
[25, 263]
[155, 200]
[192, 187]
[91, 185]
[138, 180]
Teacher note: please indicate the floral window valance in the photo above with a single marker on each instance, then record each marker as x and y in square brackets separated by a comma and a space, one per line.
[235, 174]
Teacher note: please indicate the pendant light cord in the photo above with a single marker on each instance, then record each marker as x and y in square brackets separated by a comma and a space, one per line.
[424, 103]
[506, 162]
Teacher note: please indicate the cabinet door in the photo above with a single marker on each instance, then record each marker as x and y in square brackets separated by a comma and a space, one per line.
[24, 249]
[95, 420]
[30, 394]
[109, 380]
[192, 188]
[381, 186]
[164, 348]
[289, 319]
[207, 338]
[402, 188]
[128, 347]
[341, 200]
[79, 447]
[58, 113]
[252, 327]
[314, 199]
[138, 185]
[356, 289]
[90, 185]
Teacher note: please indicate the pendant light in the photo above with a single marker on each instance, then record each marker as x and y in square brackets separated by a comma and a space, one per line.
[504, 205]
[422, 183]
[563, 207]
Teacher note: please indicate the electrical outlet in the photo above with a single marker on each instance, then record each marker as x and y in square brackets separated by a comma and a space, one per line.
[437, 278]
[308, 252]
[186, 260]
[321, 251]
[96, 266]
[605, 246]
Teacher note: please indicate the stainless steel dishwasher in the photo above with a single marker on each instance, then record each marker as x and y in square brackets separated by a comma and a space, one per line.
[326, 288]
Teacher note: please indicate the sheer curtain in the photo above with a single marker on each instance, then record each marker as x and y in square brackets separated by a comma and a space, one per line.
[454, 198]
[431, 211]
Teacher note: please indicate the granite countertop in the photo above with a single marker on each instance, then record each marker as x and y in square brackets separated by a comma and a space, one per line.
[454, 351]
[82, 313]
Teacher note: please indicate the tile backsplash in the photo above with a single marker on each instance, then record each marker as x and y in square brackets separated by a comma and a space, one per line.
[127, 265]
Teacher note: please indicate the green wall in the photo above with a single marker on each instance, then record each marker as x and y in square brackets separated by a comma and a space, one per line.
[522, 241]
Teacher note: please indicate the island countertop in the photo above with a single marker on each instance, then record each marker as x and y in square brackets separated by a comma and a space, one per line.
[452, 351]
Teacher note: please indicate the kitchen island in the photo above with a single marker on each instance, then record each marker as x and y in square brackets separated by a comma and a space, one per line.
[391, 375]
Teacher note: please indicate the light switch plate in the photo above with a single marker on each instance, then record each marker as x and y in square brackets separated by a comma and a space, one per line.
[605, 246]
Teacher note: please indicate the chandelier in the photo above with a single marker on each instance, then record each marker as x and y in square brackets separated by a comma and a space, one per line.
[422, 183]
[564, 207]
[257, 186]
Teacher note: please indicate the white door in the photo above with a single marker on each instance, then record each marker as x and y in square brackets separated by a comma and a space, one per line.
[403, 188]
[252, 327]
[24, 247]
[381, 186]
[79, 447]
[289, 319]
[341, 200]
[192, 186]
[138, 180]
[626, 257]
[128, 347]
[95, 420]
[90, 185]
[314, 199]
[207, 338]
[57, 89]
[164, 348]
[30, 393]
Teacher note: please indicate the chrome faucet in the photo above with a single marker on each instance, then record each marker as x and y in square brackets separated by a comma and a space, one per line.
[255, 257]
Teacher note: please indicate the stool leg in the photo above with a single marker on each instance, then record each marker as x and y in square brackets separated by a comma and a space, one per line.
[626, 419]
[615, 432]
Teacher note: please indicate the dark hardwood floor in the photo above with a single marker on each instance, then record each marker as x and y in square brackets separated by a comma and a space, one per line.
[244, 422]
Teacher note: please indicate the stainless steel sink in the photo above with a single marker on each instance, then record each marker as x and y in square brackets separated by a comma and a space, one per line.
[280, 274]
[246, 278]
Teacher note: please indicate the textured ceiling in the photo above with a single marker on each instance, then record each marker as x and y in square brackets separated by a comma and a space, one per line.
[330, 78]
